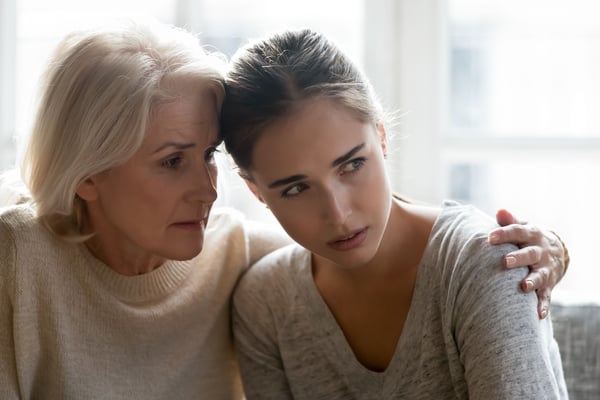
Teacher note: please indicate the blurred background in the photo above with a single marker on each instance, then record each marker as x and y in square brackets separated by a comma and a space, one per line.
[497, 101]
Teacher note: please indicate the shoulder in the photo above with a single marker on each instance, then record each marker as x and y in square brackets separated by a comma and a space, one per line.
[468, 268]
[28, 243]
[463, 219]
[259, 238]
[225, 232]
[20, 233]
[278, 267]
[225, 218]
[20, 223]
[462, 231]
[465, 262]
[275, 277]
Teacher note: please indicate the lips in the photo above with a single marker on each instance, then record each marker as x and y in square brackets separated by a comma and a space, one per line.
[349, 241]
[190, 225]
[193, 224]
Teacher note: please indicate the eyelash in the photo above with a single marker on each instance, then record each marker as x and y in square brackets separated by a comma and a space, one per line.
[172, 162]
[356, 164]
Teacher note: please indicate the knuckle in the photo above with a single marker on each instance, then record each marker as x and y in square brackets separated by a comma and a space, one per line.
[532, 253]
[534, 231]
[546, 296]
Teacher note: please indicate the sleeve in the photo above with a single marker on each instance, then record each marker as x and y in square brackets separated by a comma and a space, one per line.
[506, 351]
[255, 336]
[8, 371]
[264, 238]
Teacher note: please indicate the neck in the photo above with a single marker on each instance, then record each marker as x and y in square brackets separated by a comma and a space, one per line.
[121, 260]
[399, 252]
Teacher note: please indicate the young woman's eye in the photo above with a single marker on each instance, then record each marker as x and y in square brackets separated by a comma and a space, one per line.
[353, 165]
[294, 190]
[172, 162]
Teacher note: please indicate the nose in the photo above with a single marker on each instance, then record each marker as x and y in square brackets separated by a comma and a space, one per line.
[336, 207]
[204, 183]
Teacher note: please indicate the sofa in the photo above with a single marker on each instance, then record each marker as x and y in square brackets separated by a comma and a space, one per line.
[577, 331]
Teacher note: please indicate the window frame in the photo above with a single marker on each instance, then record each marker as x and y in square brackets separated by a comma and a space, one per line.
[8, 34]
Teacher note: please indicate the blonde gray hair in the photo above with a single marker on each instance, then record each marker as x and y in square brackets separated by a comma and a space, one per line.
[100, 91]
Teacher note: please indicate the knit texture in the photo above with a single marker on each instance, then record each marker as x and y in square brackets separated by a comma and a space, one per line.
[470, 332]
[72, 328]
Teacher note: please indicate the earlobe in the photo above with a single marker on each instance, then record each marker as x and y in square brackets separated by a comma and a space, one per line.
[87, 190]
[382, 134]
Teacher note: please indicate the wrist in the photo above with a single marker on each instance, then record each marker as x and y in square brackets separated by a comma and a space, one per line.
[566, 257]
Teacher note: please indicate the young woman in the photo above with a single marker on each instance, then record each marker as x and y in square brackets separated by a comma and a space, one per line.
[381, 298]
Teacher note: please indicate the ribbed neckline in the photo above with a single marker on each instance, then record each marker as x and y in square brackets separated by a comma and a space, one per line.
[139, 288]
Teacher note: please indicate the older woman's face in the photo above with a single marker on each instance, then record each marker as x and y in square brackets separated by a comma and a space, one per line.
[155, 207]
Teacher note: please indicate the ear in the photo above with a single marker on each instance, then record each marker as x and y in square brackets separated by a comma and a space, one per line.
[87, 189]
[382, 134]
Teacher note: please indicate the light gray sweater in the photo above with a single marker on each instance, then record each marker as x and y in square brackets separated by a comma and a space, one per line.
[470, 332]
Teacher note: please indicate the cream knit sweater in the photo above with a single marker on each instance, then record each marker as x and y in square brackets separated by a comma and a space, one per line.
[72, 328]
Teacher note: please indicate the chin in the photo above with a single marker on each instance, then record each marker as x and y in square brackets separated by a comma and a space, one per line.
[184, 253]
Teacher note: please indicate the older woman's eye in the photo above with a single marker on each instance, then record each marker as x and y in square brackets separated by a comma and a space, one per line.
[172, 162]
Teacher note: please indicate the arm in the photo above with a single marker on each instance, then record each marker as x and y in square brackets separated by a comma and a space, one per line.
[507, 352]
[255, 336]
[8, 370]
[543, 251]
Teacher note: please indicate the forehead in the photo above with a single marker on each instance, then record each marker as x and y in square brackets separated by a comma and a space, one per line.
[317, 131]
[191, 113]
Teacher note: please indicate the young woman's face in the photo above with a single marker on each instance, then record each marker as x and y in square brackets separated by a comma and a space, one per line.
[321, 172]
[156, 205]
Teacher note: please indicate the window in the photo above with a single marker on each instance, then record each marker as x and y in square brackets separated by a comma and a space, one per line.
[498, 102]
[522, 123]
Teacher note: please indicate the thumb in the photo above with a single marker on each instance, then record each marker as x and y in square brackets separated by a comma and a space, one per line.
[505, 217]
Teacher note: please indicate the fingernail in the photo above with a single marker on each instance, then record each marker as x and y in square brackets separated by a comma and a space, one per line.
[544, 313]
[528, 285]
[510, 261]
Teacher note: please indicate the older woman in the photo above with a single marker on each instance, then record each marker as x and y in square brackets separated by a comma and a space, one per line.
[116, 278]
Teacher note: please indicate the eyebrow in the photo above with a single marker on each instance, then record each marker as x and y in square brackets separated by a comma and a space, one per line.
[335, 163]
[178, 146]
[285, 181]
[347, 156]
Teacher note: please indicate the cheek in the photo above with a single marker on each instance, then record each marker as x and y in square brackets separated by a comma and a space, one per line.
[143, 199]
[297, 222]
[213, 171]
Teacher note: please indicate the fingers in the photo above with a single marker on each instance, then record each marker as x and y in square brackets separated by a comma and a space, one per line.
[516, 233]
[505, 217]
[544, 296]
[527, 256]
[538, 280]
